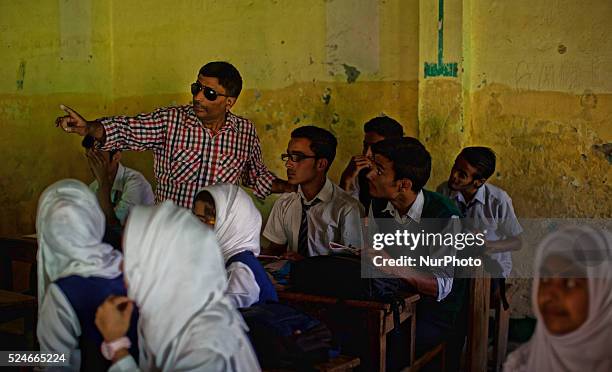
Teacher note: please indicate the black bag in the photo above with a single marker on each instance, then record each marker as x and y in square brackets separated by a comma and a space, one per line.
[340, 276]
[284, 337]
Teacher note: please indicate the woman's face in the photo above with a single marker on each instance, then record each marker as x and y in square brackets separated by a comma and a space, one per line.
[563, 295]
[205, 212]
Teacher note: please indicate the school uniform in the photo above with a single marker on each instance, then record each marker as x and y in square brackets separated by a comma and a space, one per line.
[76, 273]
[490, 212]
[331, 216]
[174, 268]
[237, 228]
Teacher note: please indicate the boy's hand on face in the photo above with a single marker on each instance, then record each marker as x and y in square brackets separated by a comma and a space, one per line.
[99, 163]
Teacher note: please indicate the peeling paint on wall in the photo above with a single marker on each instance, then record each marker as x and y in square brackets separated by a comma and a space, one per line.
[21, 75]
[352, 73]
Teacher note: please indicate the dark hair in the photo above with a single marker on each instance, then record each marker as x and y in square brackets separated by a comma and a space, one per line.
[228, 75]
[205, 197]
[480, 157]
[322, 142]
[88, 143]
[384, 126]
[410, 158]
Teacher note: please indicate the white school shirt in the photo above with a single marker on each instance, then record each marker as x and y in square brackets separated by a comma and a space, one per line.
[445, 283]
[336, 218]
[490, 210]
[131, 187]
[242, 288]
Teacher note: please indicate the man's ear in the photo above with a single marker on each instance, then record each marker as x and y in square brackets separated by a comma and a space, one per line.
[404, 185]
[479, 182]
[322, 164]
[229, 103]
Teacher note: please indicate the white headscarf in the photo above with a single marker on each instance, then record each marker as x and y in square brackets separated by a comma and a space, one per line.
[179, 288]
[587, 348]
[70, 226]
[237, 220]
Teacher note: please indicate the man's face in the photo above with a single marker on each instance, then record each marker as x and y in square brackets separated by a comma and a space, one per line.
[462, 176]
[369, 139]
[563, 295]
[207, 110]
[381, 179]
[305, 169]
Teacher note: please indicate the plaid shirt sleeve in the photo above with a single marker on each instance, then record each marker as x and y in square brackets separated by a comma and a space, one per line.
[139, 133]
[255, 174]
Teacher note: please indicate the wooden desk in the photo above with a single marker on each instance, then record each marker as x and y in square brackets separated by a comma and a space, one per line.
[370, 321]
[20, 250]
[478, 321]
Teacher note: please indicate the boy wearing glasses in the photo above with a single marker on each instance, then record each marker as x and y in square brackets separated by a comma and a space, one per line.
[304, 223]
[194, 145]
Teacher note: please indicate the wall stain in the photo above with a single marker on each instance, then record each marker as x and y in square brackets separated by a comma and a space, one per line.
[21, 75]
[605, 149]
[352, 73]
[326, 97]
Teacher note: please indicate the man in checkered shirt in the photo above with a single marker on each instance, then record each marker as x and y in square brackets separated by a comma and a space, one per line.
[193, 145]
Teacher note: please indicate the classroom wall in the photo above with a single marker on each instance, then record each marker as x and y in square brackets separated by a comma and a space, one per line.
[533, 82]
[333, 64]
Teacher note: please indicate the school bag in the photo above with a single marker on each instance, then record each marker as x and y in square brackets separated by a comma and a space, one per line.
[340, 276]
[284, 337]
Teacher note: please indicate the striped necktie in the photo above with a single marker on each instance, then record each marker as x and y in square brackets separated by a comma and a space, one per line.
[303, 235]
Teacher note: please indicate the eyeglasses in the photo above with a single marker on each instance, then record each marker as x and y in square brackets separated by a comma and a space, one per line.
[209, 93]
[296, 158]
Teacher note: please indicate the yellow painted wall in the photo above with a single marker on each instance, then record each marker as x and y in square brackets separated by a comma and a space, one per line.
[124, 57]
[535, 85]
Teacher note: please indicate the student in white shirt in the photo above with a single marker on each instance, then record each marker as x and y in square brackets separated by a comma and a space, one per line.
[237, 223]
[487, 208]
[186, 322]
[303, 223]
[117, 187]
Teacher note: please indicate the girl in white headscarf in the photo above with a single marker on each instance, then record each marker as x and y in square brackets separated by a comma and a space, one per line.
[572, 298]
[76, 271]
[186, 322]
[237, 224]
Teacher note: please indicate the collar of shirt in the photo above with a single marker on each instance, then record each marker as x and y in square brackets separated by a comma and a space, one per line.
[325, 195]
[230, 120]
[414, 213]
[478, 197]
[119, 178]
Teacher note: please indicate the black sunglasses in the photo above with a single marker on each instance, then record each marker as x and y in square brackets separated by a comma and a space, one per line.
[209, 93]
[296, 158]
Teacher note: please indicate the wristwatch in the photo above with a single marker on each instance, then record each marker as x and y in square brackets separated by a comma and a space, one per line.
[109, 349]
